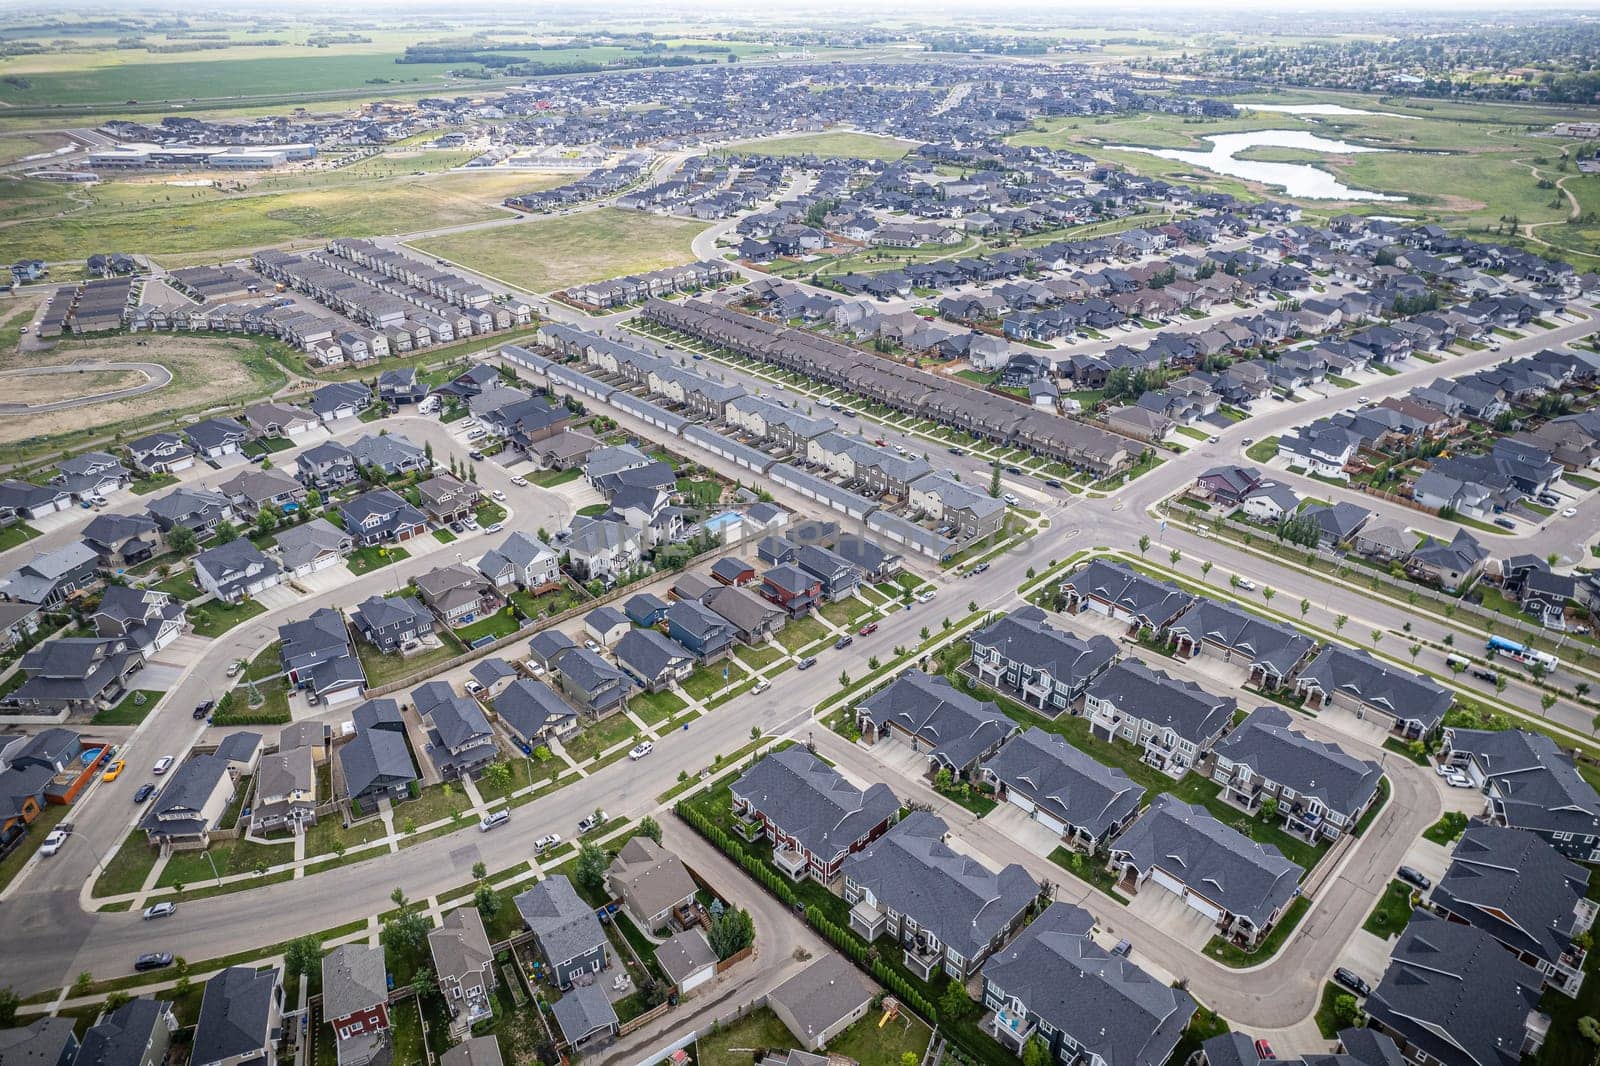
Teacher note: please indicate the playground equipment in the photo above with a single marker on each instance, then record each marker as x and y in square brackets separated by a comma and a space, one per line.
[891, 1009]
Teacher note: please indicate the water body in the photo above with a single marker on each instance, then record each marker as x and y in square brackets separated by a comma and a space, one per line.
[1300, 180]
[1318, 109]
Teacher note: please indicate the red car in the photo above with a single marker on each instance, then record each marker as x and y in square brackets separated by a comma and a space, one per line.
[868, 629]
[1264, 1050]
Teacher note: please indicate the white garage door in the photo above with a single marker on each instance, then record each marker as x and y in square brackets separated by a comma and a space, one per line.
[1167, 881]
[696, 980]
[1097, 607]
[342, 696]
[1050, 822]
[1204, 907]
[1019, 800]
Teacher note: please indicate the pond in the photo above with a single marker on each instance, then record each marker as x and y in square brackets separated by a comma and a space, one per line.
[1317, 110]
[1301, 180]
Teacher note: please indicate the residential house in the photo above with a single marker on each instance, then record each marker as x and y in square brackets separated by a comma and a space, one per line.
[390, 453]
[947, 910]
[1063, 788]
[1450, 566]
[1270, 651]
[1045, 668]
[317, 657]
[286, 791]
[138, 1033]
[254, 490]
[523, 562]
[241, 1019]
[810, 813]
[795, 590]
[311, 547]
[183, 813]
[458, 594]
[214, 438]
[340, 399]
[1118, 591]
[754, 620]
[1174, 722]
[821, 1001]
[77, 674]
[389, 623]
[465, 967]
[597, 687]
[1354, 680]
[954, 731]
[565, 930]
[325, 466]
[196, 510]
[149, 618]
[704, 632]
[1531, 784]
[652, 883]
[447, 499]
[531, 711]
[120, 541]
[603, 549]
[460, 740]
[376, 762]
[381, 516]
[52, 576]
[652, 660]
[355, 1004]
[161, 453]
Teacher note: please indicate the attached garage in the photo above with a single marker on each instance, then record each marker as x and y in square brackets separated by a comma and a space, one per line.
[1204, 906]
[1167, 881]
[1049, 821]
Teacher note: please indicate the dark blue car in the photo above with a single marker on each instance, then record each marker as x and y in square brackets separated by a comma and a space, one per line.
[146, 790]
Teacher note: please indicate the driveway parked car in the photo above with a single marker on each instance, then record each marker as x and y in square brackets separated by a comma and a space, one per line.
[1415, 877]
[1352, 980]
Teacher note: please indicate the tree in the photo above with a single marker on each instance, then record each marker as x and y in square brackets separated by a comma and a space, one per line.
[954, 1003]
[497, 774]
[406, 934]
[1205, 568]
[1414, 651]
[1345, 1012]
[649, 827]
[1547, 701]
[1377, 637]
[591, 868]
[1144, 543]
[1267, 593]
[181, 540]
[81, 983]
[1036, 1052]
[479, 870]
[1174, 555]
[9, 1002]
[488, 902]
[1305, 608]
[943, 779]
[117, 1000]
[731, 932]
[303, 956]
[909, 1058]
[1340, 622]
[226, 532]
[994, 479]
[844, 679]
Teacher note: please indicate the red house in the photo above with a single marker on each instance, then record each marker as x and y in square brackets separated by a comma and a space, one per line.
[731, 571]
[791, 588]
[355, 1002]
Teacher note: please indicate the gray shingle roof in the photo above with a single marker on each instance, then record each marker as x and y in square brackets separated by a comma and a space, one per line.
[583, 1010]
[1515, 887]
[1274, 644]
[1265, 743]
[529, 708]
[1538, 785]
[235, 1013]
[812, 802]
[959, 728]
[353, 978]
[1407, 696]
[911, 870]
[374, 757]
[1126, 588]
[1182, 706]
[1109, 1006]
[647, 654]
[564, 924]
[1023, 636]
[121, 1036]
[1066, 782]
[821, 995]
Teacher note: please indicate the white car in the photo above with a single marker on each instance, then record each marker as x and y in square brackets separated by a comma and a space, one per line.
[497, 494]
[761, 686]
[519, 481]
[1246, 584]
[591, 645]
[494, 528]
[160, 910]
[536, 669]
[1011, 499]
[1569, 512]
[1457, 779]
[546, 842]
[53, 842]
[924, 597]
[1362, 399]
[640, 750]
[473, 688]
[162, 765]
[470, 522]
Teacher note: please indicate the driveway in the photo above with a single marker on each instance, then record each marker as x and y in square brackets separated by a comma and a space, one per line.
[183, 651]
[160, 677]
[1169, 913]
[278, 596]
[1014, 822]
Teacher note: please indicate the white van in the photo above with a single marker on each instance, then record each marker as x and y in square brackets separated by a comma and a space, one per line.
[493, 820]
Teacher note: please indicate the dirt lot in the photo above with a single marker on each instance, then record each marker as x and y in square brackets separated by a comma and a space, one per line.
[205, 371]
[51, 388]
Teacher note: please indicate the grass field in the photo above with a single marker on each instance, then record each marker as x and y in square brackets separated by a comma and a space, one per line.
[22, 145]
[847, 145]
[548, 254]
[183, 224]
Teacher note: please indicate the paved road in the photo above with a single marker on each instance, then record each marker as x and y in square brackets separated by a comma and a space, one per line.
[156, 377]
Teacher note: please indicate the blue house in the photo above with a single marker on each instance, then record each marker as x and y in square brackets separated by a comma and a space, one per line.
[645, 609]
[697, 627]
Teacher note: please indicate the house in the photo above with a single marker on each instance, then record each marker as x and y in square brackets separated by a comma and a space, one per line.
[754, 620]
[1449, 566]
[267, 420]
[1227, 485]
[50, 577]
[645, 609]
[214, 438]
[185, 811]
[955, 731]
[603, 549]
[235, 571]
[1524, 893]
[1088, 1005]
[252, 491]
[122, 540]
[733, 571]
[460, 741]
[355, 1003]
[376, 762]
[597, 687]
[390, 453]
[791, 588]
[50, 1041]
[704, 632]
[474, 1051]
[686, 959]
[389, 623]
[317, 656]
[547, 648]
[1270, 651]
[464, 965]
[328, 465]
[583, 1014]
[948, 911]
[821, 1001]
[149, 618]
[565, 930]
[161, 453]
[652, 660]
[494, 675]
[651, 882]
[968, 513]
[606, 625]
[1270, 502]
[1063, 789]
[523, 562]
[312, 547]
[1118, 591]
[837, 577]
[458, 594]
[1383, 540]
[532, 711]
[1336, 524]
[1531, 784]
[400, 386]
[286, 791]
[241, 1019]
[138, 1033]
[1318, 789]
[447, 499]
[341, 399]
[1352, 679]
[810, 813]
[1242, 886]
[1174, 722]
[77, 674]
[379, 516]
[90, 475]
[1453, 996]
[1045, 668]
[18, 622]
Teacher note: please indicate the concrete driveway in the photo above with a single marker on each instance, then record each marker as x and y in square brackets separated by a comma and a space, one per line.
[182, 651]
[899, 757]
[1170, 914]
[160, 677]
[278, 596]
[1014, 822]
[1368, 955]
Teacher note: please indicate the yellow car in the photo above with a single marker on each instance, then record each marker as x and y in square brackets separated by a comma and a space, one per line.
[112, 771]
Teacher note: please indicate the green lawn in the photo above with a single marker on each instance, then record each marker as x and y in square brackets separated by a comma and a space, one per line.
[708, 679]
[375, 557]
[1328, 1020]
[194, 869]
[596, 737]
[180, 586]
[760, 656]
[382, 669]
[731, 1045]
[1392, 911]
[131, 710]
[443, 536]
[552, 253]
[1263, 449]
[870, 1045]
[1231, 955]
[1089, 869]
[216, 618]
[128, 868]
[653, 707]
[801, 633]
[502, 623]
[13, 535]
[1446, 829]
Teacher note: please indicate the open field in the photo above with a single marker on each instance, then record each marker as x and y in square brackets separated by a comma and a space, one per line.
[206, 370]
[51, 388]
[182, 224]
[848, 145]
[546, 254]
[23, 145]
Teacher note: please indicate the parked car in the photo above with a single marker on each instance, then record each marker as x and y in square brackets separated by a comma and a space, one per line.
[53, 842]
[1124, 948]
[457, 528]
[1213, 439]
[843, 642]
[497, 494]
[1352, 980]
[203, 709]
[1505, 523]
[494, 527]
[1011, 499]
[162, 765]
[471, 523]
[1264, 1049]
[590, 822]
[473, 688]
[868, 629]
[1415, 877]
[146, 790]
[640, 750]
[924, 597]
[153, 960]
[1247, 441]
[1569, 512]
[807, 663]
[546, 842]
[493, 820]
[761, 686]
[1052, 483]
[113, 771]
[1457, 779]
[519, 481]
[160, 910]
[976, 570]
[591, 645]
[234, 667]
[1013, 469]
[475, 455]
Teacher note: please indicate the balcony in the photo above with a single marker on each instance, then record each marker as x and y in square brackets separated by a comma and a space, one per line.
[792, 861]
[923, 956]
[1011, 1029]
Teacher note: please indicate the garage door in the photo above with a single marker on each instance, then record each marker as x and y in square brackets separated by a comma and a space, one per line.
[1166, 881]
[1097, 607]
[1020, 800]
[1204, 907]
[342, 696]
[698, 979]
[1055, 825]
